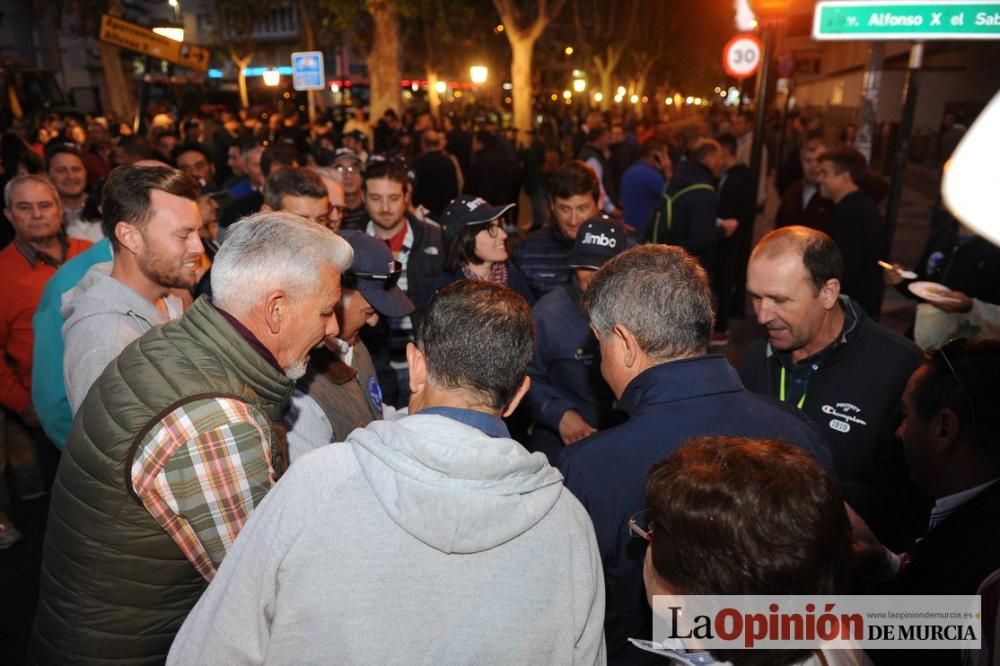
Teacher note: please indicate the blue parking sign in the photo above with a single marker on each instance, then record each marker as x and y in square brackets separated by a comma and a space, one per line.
[307, 70]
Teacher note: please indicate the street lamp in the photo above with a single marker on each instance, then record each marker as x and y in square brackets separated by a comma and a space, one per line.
[478, 74]
[598, 97]
[441, 87]
[634, 99]
[271, 77]
[567, 94]
[579, 85]
[568, 50]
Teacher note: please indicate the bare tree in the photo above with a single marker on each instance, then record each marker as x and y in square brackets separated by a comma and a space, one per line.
[235, 21]
[522, 37]
[606, 30]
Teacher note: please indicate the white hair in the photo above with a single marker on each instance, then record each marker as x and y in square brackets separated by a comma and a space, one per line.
[270, 251]
[17, 181]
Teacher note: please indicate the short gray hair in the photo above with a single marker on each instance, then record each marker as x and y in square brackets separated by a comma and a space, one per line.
[659, 293]
[273, 250]
[8, 190]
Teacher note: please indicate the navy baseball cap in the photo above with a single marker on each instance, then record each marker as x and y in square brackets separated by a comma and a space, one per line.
[375, 274]
[598, 240]
[466, 210]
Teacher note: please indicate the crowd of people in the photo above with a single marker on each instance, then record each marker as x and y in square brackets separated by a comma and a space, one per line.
[323, 393]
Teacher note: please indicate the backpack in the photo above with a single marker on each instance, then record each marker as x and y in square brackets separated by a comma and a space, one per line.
[662, 219]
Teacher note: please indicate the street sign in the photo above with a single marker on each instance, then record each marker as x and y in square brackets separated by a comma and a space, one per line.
[143, 40]
[307, 70]
[741, 56]
[914, 20]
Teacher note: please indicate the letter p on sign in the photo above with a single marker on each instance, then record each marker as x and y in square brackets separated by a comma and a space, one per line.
[741, 56]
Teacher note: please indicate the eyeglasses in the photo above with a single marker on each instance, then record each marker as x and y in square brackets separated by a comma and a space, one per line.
[641, 525]
[958, 380]
[349, 169]
[388, 280]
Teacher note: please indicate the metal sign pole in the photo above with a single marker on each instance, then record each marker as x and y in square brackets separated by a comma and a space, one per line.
[760, 99]
[910, 91]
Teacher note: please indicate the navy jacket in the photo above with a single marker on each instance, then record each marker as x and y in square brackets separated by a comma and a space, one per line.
[543, 257]
[667, 405]
[694, 213]
[566, 369]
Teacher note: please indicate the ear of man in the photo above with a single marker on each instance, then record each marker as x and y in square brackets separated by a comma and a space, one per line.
[128, 236]
[275, 309]
[522, 391]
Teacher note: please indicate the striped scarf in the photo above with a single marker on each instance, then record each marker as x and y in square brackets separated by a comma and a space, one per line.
[498, 273]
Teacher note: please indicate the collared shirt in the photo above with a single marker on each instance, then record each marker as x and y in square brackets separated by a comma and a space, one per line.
[801, 372]
[201, 471]
[248, 335]
[488, 424]
[808, 191]
[34, 256]
[945, 506]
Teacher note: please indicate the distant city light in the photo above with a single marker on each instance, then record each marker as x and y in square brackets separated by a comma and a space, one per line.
[621, 91]
[568, 50]
[634, 99]
[334, 88]
[499, 28]
[272, 77]
[567, 94]
[441, 87]
[598, 97]
[689, 100]
[668, 101]
[579, 85]
[508, 85]
[478, 74]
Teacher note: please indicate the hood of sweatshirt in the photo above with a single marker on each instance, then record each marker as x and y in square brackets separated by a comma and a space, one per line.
[98, 293]
[453, 487]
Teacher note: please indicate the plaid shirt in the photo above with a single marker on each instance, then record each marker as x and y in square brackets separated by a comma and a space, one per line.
[200, 472]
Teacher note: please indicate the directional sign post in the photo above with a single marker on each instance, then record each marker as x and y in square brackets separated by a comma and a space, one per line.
[914, 20]
[143, 40]
[307, 70]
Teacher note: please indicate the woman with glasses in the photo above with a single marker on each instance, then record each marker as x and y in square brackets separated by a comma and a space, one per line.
[477, 246]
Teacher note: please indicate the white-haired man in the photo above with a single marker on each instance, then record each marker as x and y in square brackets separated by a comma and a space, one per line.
[177, 442]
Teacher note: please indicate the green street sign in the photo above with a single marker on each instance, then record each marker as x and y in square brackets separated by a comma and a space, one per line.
[916, 20]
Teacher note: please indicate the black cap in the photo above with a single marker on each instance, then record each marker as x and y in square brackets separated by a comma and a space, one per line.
[375, 274]
[598, 240]
[466, 210]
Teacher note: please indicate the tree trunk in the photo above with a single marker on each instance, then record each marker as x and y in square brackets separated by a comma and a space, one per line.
[117, 93]
[241, 76]
[383, 60]
[604, 78]
[433, 96]
[520, 77]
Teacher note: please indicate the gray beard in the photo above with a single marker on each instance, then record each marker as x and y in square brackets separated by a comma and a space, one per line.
[296, 371]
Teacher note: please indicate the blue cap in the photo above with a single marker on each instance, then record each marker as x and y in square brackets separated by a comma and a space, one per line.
[375, 274]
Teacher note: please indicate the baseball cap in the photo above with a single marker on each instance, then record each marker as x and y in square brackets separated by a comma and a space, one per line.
[375, 274]
[466, 210]
[347, 158]
[598, 240]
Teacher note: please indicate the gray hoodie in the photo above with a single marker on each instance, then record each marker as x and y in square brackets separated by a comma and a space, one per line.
[102, 317]
[418, 541]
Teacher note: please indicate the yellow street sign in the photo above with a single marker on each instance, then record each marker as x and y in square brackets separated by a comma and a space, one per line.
[143, 40]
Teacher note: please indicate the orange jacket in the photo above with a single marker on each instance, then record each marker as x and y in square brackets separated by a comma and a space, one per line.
[20, 292]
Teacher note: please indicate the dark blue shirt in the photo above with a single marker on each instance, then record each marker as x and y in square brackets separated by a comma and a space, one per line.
[667, 405]
[488, 424]
[640, 191]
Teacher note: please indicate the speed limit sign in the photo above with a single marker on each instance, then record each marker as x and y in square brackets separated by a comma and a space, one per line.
[741, 56]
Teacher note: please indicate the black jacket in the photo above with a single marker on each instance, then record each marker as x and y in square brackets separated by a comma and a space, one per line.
[859, 233]
[854, 397]
[953, 558]
[694, 213]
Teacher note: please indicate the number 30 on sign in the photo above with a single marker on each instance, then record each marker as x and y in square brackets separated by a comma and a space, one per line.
[741, 56]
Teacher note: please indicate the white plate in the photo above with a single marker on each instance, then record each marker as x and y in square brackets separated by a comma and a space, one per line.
[929, 291]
